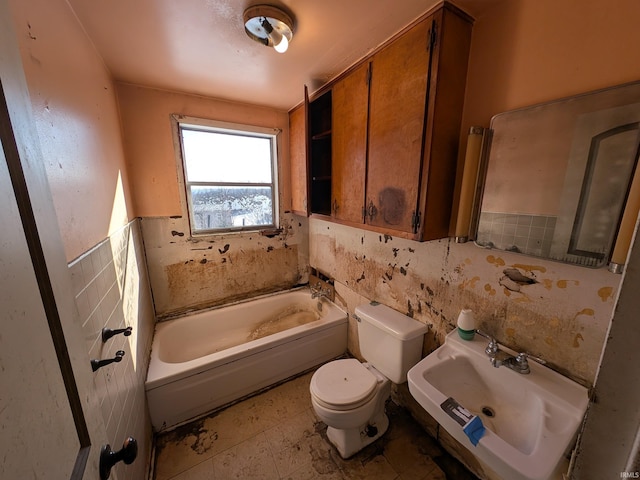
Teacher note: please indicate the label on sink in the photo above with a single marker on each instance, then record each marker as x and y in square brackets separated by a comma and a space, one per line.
[471, 424]
[457, 412]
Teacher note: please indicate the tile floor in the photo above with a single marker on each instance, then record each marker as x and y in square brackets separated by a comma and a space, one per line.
[276, 435]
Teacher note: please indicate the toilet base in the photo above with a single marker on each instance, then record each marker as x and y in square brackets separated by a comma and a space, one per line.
[350, 441]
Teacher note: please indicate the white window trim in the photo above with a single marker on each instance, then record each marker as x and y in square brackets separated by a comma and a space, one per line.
[227, 127]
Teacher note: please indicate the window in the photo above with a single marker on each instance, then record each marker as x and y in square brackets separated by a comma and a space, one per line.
[229, 174]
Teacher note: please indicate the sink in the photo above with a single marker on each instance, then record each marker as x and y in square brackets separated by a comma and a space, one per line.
[530, 420]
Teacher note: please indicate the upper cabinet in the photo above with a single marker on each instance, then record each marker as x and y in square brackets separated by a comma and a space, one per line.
[399, 83]
[349, 145]
[445, 101]
[386, 160]
[298, 155]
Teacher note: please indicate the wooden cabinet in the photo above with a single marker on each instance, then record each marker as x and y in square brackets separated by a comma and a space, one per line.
[445, 102]
[298, 160]
[383, 137]
[310, 141]
[415, 112]
[399, 84]
[349, 145]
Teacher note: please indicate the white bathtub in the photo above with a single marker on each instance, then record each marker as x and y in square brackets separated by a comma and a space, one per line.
[207, 359]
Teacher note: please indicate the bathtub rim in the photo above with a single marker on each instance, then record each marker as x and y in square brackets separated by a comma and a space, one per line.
[161, 373]
[174, 315]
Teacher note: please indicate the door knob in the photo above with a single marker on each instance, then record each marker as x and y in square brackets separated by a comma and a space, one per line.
[108, 458]
[107, 333]
[96, 364]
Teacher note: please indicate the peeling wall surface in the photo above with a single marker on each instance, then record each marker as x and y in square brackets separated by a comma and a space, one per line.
[190, 273]
[554, 311]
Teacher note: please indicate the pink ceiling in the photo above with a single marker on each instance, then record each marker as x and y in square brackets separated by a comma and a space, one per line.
[199, 46]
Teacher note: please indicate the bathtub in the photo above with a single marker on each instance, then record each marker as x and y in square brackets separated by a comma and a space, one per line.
[210, 358]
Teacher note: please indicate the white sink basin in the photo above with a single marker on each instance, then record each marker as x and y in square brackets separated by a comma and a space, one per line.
[531, 420]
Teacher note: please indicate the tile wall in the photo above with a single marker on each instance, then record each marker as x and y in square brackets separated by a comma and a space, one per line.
[531, 234]
[111, 288]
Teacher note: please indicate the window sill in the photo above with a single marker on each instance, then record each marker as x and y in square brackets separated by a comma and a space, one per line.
[265, 232]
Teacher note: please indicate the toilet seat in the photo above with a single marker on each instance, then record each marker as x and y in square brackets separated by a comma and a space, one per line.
[343, 384]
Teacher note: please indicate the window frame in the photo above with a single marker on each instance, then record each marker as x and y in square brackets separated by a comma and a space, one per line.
[180, 122]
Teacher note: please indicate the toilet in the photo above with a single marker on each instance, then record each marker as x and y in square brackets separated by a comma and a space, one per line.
[350, 396]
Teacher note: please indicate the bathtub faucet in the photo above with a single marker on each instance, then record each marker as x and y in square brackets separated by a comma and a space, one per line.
[318, 291]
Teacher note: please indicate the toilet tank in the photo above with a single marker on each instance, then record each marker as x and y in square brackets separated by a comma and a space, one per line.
[389, 340]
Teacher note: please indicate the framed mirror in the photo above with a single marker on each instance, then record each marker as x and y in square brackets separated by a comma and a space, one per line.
[558, 176]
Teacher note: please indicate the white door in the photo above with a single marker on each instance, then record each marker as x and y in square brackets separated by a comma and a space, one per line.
[50, 425]
[39, 437]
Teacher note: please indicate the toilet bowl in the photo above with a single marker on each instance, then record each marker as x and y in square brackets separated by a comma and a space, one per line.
[350, 396]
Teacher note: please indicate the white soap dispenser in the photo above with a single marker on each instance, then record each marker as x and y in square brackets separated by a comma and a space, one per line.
[466, 324]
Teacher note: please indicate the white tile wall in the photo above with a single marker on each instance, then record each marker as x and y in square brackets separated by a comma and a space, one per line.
[112, 290]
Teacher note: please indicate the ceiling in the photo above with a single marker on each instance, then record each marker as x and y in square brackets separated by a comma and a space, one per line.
[200, 47]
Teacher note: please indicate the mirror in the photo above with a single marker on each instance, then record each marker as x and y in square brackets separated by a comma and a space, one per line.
[558, 175]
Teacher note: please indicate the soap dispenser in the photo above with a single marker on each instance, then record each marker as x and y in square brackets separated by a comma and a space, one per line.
[466, 324]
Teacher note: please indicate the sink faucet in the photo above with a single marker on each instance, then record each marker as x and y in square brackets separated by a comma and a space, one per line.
[518, 363]
[318, 291]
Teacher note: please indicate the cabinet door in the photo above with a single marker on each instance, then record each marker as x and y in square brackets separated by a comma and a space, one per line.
[449, 72]
[396, 126]
[298, 159]
[349, 145]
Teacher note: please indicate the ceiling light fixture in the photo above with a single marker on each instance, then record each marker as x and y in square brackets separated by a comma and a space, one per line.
[269, 26]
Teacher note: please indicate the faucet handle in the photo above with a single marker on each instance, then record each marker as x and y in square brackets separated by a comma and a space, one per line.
[522, 357]
[492, 347]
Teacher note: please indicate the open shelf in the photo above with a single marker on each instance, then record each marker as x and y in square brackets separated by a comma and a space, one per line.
[320, 151]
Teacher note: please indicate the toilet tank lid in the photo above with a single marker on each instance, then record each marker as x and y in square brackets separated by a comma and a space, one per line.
[389, 320]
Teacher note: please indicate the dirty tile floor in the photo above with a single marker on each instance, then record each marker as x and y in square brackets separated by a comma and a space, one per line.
[276, 435]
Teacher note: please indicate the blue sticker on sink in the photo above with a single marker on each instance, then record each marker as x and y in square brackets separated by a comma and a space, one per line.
[471, 424]
[474, 430]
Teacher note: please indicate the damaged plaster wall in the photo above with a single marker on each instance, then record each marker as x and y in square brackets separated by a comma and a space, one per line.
[191, 273]
[557, 312]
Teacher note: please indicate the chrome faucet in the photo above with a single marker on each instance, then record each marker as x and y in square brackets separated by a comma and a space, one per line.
[318, 291]
[518, 363]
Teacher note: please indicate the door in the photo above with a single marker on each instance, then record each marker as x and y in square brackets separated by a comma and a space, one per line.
[39, 437]
[45, 385]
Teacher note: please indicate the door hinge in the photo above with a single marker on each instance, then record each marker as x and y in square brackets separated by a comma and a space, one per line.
[415, 221]
[433, 36]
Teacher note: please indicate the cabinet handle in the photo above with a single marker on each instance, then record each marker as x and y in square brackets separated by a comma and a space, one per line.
[371, 210]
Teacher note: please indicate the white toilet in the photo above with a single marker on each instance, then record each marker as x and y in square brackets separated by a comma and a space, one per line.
[349, 396]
